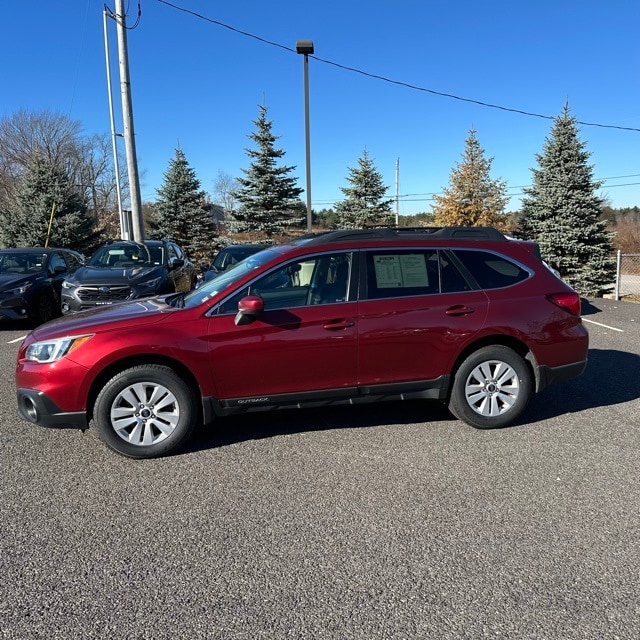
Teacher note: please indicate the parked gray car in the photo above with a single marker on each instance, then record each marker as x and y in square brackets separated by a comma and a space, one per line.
[124, 270]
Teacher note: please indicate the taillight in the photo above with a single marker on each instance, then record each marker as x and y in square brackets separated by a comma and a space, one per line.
[567, 300]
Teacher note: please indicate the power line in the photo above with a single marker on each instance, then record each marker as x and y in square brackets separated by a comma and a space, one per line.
[526, 186]
[414, 197]
[126, 13]
[390, 80]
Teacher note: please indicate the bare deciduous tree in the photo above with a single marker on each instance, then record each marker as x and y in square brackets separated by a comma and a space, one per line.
[59, 141]
[224, 187]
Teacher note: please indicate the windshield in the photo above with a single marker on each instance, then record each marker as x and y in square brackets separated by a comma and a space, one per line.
[231, 255]
[27, 262]
[226, 279]
[125, 257]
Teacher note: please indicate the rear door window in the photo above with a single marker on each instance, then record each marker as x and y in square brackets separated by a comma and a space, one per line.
[399, 273]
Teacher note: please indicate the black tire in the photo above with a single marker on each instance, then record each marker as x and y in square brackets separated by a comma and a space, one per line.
[145, 412]
[45, 310]
[491, 388]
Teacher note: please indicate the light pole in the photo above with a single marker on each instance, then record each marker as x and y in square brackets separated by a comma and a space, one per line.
[305, 47]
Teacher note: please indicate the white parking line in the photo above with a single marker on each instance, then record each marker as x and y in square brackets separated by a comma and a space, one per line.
[606, 326]
[17, 340]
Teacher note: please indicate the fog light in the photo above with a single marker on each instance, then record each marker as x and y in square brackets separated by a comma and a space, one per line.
[30, 409]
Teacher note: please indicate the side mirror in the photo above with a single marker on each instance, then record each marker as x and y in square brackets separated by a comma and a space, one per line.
[176, 263]
[58, 269]
[249, 308]
[204, 267]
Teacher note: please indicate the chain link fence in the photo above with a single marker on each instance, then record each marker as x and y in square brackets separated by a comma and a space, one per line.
[628, 276]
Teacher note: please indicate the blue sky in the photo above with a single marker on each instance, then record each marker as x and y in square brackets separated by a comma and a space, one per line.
[198, 85]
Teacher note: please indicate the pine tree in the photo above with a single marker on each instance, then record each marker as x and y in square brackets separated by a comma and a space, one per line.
[473, 198]
[45, 189]
[364, 204]
[561, 212]
[268, 198]
[182, 210]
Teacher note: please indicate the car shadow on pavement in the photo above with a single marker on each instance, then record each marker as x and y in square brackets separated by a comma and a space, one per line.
[259, 425]
[588, 308]
[24, 326]
[17, 325]
[610, 378]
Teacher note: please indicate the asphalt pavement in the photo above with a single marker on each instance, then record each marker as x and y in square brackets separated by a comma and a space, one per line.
[390, 521]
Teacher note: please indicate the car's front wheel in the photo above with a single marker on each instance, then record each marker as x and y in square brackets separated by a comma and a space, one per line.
[491, 388]
[145, 412]
[46, 309]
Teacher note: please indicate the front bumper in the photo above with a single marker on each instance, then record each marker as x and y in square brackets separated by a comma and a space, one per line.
[73, 304]
[38, 408]
[92, 298]
[14, 308]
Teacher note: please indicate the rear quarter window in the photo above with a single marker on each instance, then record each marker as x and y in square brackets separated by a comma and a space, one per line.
[490, 270]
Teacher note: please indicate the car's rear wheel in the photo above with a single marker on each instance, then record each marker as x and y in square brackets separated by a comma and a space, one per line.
[145, 412]
[491, 388]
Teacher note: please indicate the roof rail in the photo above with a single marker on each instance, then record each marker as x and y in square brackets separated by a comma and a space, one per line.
[389, 233]
[120, 241]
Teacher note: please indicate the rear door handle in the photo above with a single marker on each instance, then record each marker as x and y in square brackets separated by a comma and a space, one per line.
[459, 310]
[336, 325]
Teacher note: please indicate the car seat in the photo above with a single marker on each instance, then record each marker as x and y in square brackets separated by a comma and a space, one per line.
[336, 291]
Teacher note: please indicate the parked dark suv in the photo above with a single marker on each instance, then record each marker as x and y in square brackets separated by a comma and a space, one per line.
[31, 279]
[123, 270]
[226, 258]
[465, 316]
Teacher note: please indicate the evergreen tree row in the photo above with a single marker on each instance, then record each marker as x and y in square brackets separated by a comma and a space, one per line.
[47, 210]
[560, 210]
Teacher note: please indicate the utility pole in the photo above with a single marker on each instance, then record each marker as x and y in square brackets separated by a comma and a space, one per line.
[397, 192]
[127, 118]
[114, 136]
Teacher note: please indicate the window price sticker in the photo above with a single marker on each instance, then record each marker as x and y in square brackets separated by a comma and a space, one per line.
[395, 271]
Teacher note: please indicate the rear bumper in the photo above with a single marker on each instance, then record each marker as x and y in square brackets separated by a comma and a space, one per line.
[38, 408]
[549, 375]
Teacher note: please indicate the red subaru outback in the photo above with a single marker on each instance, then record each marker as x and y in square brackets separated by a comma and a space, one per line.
[462, 315]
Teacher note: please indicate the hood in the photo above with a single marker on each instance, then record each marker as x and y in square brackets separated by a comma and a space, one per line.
[13, 280]
[112, 276]
[116, 317]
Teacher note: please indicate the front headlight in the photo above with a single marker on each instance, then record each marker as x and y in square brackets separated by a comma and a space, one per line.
[21, 290]
[53, 350]
[67, 285]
